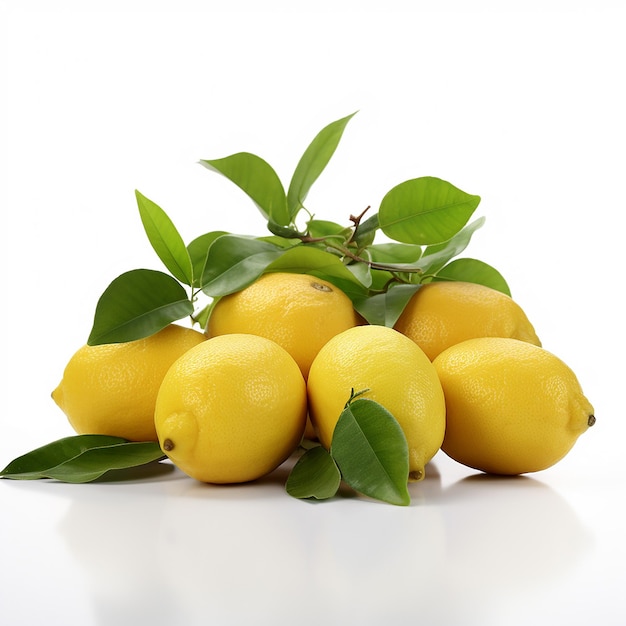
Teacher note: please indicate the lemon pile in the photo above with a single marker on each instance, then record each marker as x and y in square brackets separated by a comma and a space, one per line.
[462, 371]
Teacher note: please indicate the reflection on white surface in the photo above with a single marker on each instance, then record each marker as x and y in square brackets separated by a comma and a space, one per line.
[168, 549]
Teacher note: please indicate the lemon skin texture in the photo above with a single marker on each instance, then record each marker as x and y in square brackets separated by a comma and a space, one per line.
[512, 407]
[395, 372]
[298, 311]
[111, 389]
[442, 314]
[232, 409]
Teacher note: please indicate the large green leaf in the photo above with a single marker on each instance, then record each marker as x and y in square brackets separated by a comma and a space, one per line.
[137, 304]
[371, 452]
[259, 180]
[165, 239]
[234, 262]
[82, 458]
[313, 162]
[425, 210]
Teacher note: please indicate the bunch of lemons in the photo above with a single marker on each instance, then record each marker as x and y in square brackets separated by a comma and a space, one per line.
[462, 370]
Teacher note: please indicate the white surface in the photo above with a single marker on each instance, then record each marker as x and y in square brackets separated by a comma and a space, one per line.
[521, 103]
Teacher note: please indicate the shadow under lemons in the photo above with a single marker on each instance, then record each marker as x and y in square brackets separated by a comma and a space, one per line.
[375, 563]
[232, 555]
[112, 530]
[507, 537]
[171, 552]
[231, 548]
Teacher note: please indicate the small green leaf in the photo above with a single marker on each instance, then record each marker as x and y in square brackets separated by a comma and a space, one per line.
[165, 239]
[425, 210]
[315, 475]
[436, 256]
[234, 262]
[313, 162]
[198, 250]
[137, 304]
[82, 458]
[474, 271]
[258, 179]
[371, 452]
[385, 308]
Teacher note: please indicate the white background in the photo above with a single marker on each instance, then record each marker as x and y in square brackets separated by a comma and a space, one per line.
[519, 102]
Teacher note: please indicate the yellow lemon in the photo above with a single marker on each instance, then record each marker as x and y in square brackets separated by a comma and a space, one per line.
[512, 407]
[111, 389]
[442, 314]
[298, 311]
[231, 409]
[396, 374]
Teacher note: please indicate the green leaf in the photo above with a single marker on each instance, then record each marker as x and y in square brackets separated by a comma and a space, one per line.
[281, 242]
[381, 280]
[258, 179]
[137, 304]
[198, 250]
[371, 452]
[236, 261]
[326, 228]
[395, 253]
[285, 232]
[82, 458]
[304, 259]
[474, 271]
[315, 475]
[362, 272]
[165, 239]
[436, 256]
[313, 162]
[201, 317]
[385, 308]
[425, 210]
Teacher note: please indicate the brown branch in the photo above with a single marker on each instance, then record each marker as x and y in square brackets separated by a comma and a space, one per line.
[356, 220]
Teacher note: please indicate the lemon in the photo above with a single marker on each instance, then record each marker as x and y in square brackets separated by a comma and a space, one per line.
[111, 389]
[231, 409]
[442, 314]
[395, 372]
[298, 311]
[512, 407]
